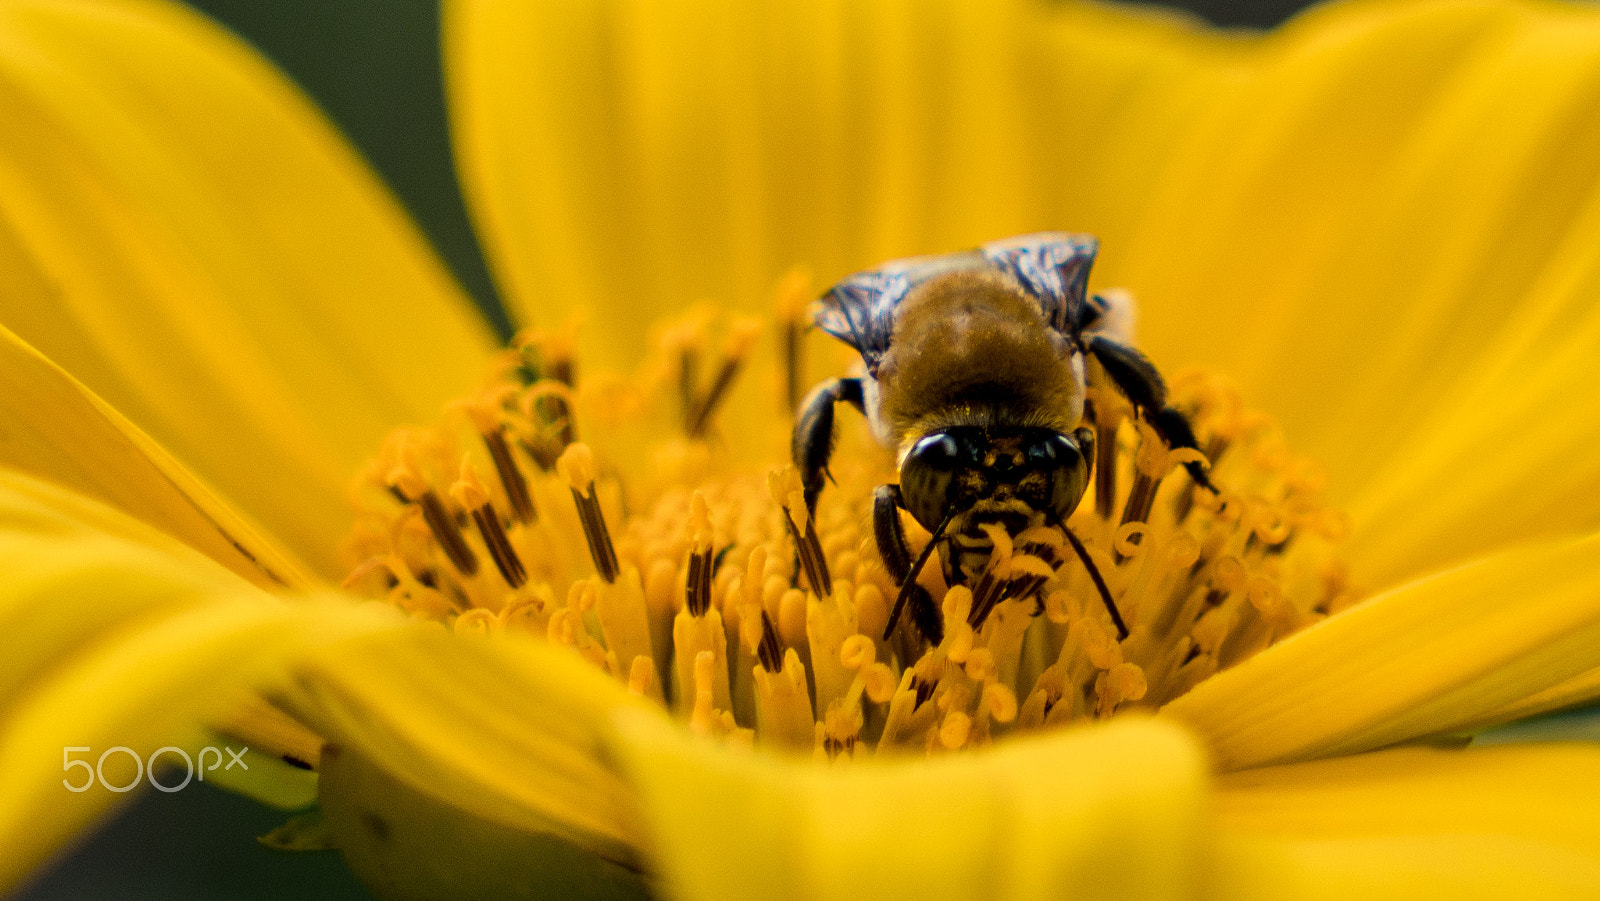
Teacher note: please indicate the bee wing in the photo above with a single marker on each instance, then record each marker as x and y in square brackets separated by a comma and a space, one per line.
[1051, 266]
[860, 310]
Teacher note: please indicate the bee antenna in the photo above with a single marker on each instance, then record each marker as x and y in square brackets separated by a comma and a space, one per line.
[910, 583]
[1099, 581]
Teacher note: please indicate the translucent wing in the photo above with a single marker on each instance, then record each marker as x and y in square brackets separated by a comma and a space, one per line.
[860, 310]
[1052, 267]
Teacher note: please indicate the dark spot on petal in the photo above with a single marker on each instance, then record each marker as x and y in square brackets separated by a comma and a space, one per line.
[378, 826]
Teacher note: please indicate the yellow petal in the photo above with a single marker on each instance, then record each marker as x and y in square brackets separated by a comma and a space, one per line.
[56, 429]
[503, 731]
[269, 780]
[626, 158]
[1573, 691]
[116, 649]
[1439, 654]
[1457, 485]
[1381, 218]
[1401, 868]
[1522, 791]
[1387, 233]
[184, 232]
[1513, 821]
[409, 844]
[1108, 812]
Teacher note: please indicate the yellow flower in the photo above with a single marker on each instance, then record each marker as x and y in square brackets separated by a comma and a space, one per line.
[1380, 221]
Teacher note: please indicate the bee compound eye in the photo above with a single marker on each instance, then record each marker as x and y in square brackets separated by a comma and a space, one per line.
[939, 450]
[1061, 457]
[926, 477]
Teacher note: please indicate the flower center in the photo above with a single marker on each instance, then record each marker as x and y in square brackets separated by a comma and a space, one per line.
[721, 598]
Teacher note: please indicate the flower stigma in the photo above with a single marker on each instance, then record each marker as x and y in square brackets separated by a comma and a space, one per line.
[708, 586]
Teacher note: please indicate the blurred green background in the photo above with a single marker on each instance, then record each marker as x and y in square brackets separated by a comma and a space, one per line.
[373, 66]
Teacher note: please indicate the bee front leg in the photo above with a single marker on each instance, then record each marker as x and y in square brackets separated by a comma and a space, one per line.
[1136, 377]
[813, 432]
[891, 539]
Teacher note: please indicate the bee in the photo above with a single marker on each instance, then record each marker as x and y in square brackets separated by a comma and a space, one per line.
[974, 374]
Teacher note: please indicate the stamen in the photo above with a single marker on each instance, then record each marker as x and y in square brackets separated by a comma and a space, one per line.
[641, 677]
[485, 411]
[1104, 411]
[1012, 576]
[742, 336]
[697, 585]
[954, 730]
[548, 405]
[793, 296]
[547, 358]
[783, 704]
[1202, 581]
[576, 465]
[909, 713]
[470, 493]
[682, 342]
[703, 711]
[511, 478]
[1124, 682]
[1000, 702]
[1140, 498]
[443, 526]
[830, 621]
[769, 651]
[787, 491]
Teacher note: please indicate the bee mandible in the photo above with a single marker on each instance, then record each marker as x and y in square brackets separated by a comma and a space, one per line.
[975, 370]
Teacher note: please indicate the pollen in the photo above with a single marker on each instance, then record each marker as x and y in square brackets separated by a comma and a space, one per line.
[651, 551]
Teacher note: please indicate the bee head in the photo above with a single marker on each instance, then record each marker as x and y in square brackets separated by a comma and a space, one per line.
[956, 469]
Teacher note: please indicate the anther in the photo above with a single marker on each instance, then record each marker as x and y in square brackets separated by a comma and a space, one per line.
[702, 559]
[985, 597]
[682, 343]
[444, 529]
[484, 411]
[547, 354]
[786, 490]
[769, 652]
[562, 368]
[1105, 451]
[505, 466]
[743, 335]
[548, 404]
[469, 492]
[576, 465]
[1140, 498]
[793, 293]
[697, 585]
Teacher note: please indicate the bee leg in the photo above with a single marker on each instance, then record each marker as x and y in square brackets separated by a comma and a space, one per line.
[1136, 377]
[891, 539]
[813, 432]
